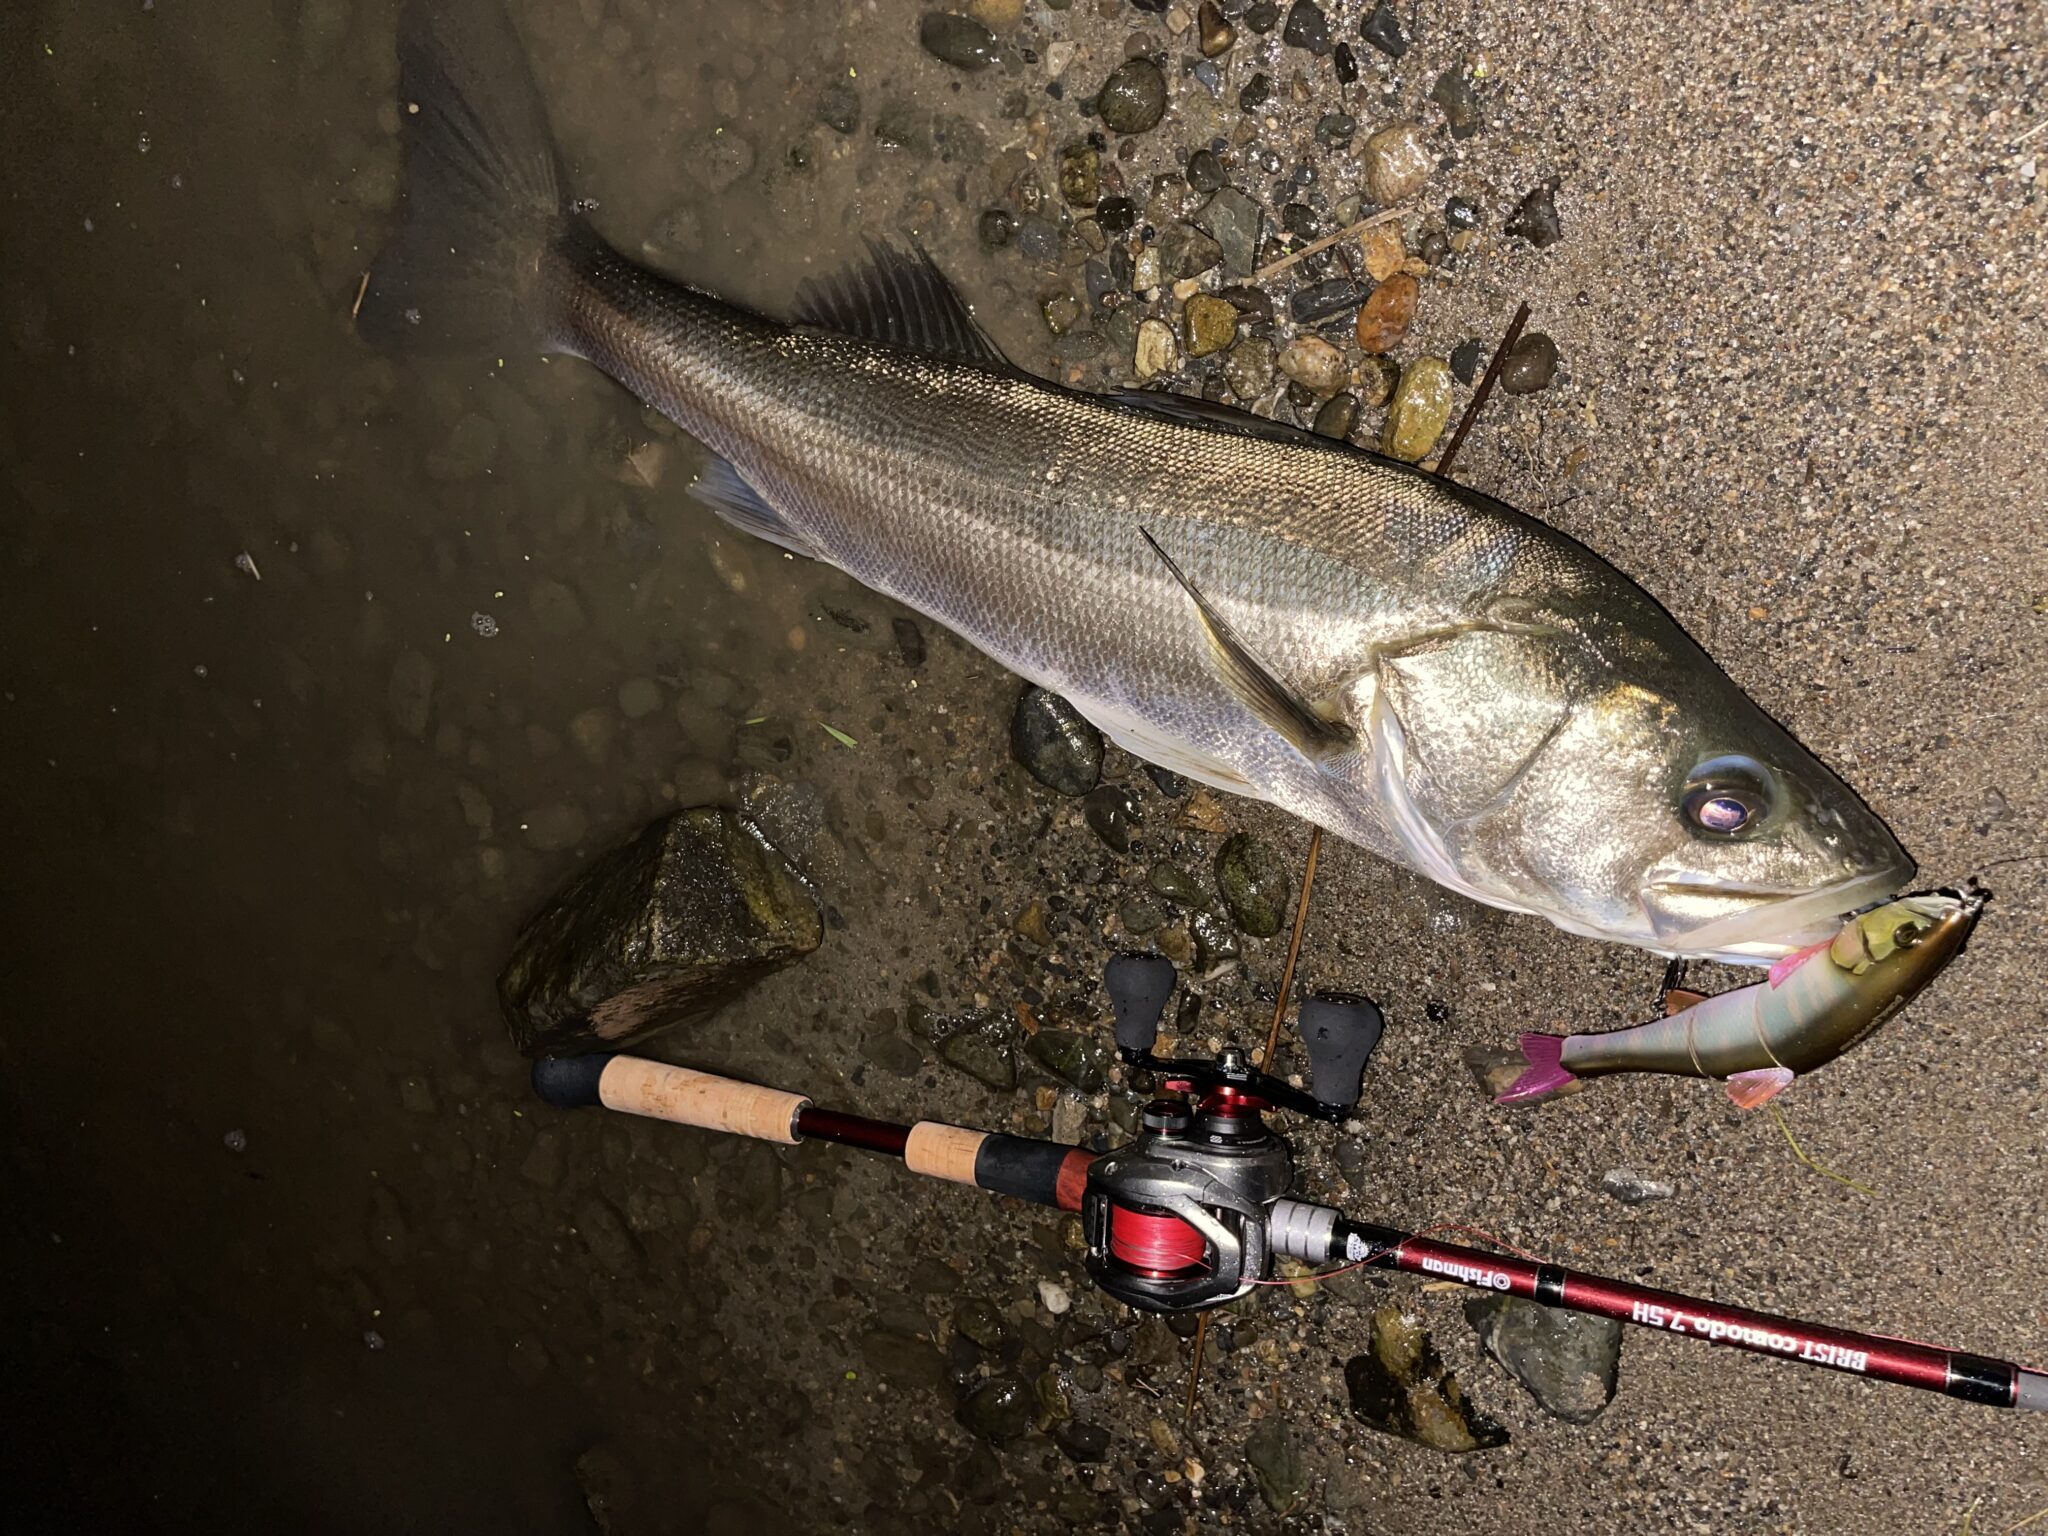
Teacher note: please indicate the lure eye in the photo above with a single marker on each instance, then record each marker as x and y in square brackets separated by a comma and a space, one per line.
[1727, 797]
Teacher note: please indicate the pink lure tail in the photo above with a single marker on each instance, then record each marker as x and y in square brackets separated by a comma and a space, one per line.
[1546, 1074]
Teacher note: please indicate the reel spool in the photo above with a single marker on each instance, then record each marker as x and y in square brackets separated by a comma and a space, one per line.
[1176, 1221]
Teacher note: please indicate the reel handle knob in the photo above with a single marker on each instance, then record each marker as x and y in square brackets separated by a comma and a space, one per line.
[1138, 987]
[1339, 1030]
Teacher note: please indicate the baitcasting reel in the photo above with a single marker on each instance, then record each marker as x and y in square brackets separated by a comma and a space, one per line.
[1177, 1221]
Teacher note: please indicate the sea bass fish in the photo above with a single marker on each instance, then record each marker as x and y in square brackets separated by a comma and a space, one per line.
[1814, 1005]
[1405, 662]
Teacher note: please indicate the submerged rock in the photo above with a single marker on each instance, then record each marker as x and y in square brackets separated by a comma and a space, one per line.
[1211, 324]
[1400, 1386]
[670, 926]
[986, 1050]
[1569, 1362]
[1254, 884]
[961, 41]
[1051, 739]
[1133, 98]
[1276, 1463]
[999, 1410]
[1530, 365]
[1068, 1054]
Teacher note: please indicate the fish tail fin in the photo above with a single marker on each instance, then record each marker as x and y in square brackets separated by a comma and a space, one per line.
[1546, 1075]
[486, 234]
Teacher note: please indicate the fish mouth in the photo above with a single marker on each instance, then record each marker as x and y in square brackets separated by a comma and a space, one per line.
[1691, 917]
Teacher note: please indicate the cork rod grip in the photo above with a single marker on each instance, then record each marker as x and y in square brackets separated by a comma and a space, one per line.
[685, 1097]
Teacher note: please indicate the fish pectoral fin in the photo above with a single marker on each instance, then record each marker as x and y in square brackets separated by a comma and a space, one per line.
[902, 299]
[1753, 1090]
[1678, 999]
[1253, 682]
[721, 489]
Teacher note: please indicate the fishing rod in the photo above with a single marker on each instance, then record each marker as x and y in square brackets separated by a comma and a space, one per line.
[1195, 1211]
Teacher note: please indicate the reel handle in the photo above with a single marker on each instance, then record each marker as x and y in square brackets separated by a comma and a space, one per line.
[1138, 987]
[678, 1095]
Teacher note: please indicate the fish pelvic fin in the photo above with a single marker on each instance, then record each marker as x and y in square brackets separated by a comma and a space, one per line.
[1546, 1076]
[483, 226]
[1254, 685]
[1753, 1090]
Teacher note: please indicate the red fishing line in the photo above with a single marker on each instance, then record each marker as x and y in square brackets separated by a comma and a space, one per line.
[1154, 1245]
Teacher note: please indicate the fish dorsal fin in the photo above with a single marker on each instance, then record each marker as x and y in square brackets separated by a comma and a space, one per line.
[1193, 411]
[1253, 682]
[899, 298]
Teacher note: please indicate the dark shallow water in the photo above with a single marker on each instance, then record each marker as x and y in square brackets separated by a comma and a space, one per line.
[291, 1245]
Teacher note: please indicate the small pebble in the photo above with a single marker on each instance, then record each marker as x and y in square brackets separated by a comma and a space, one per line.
[1133, 98]
[1337, 418]
[1530, 365]
[1384, 319]
[1336, 130]
[1205, 171]
[1466, 358]
[1307, 28]
[1052, 740]
[1434, 247]
[961, 41]
[1375, 380]
[1396, 162]
[1453, 92]
[1054, 1298]
[1325, 300]
[1314, 363]
[1421, 406]
[1535, 217]
[1256, 93]
[1632, 1188]
[1382, 29]
[1156, 352]
[1080, 175]
[1112, 814]
[1345, 63]
[1248, 369]
[1209, 323]
[1216, 34]
[1116, 215]
[1459, 214]
[1263, 17]
[839, 107]
[996, 227]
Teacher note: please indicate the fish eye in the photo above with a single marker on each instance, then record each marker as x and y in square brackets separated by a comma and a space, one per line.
[1726, 797]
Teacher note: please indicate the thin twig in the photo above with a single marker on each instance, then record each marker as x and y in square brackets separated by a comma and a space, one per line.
[1195, 1367]
[1384, 216]
[1308, 881]
[2039, 1514]
[1500, 356]
[2021, 140]
[357, 308]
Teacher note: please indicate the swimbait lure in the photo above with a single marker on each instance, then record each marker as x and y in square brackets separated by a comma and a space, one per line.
[1813, 1006]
